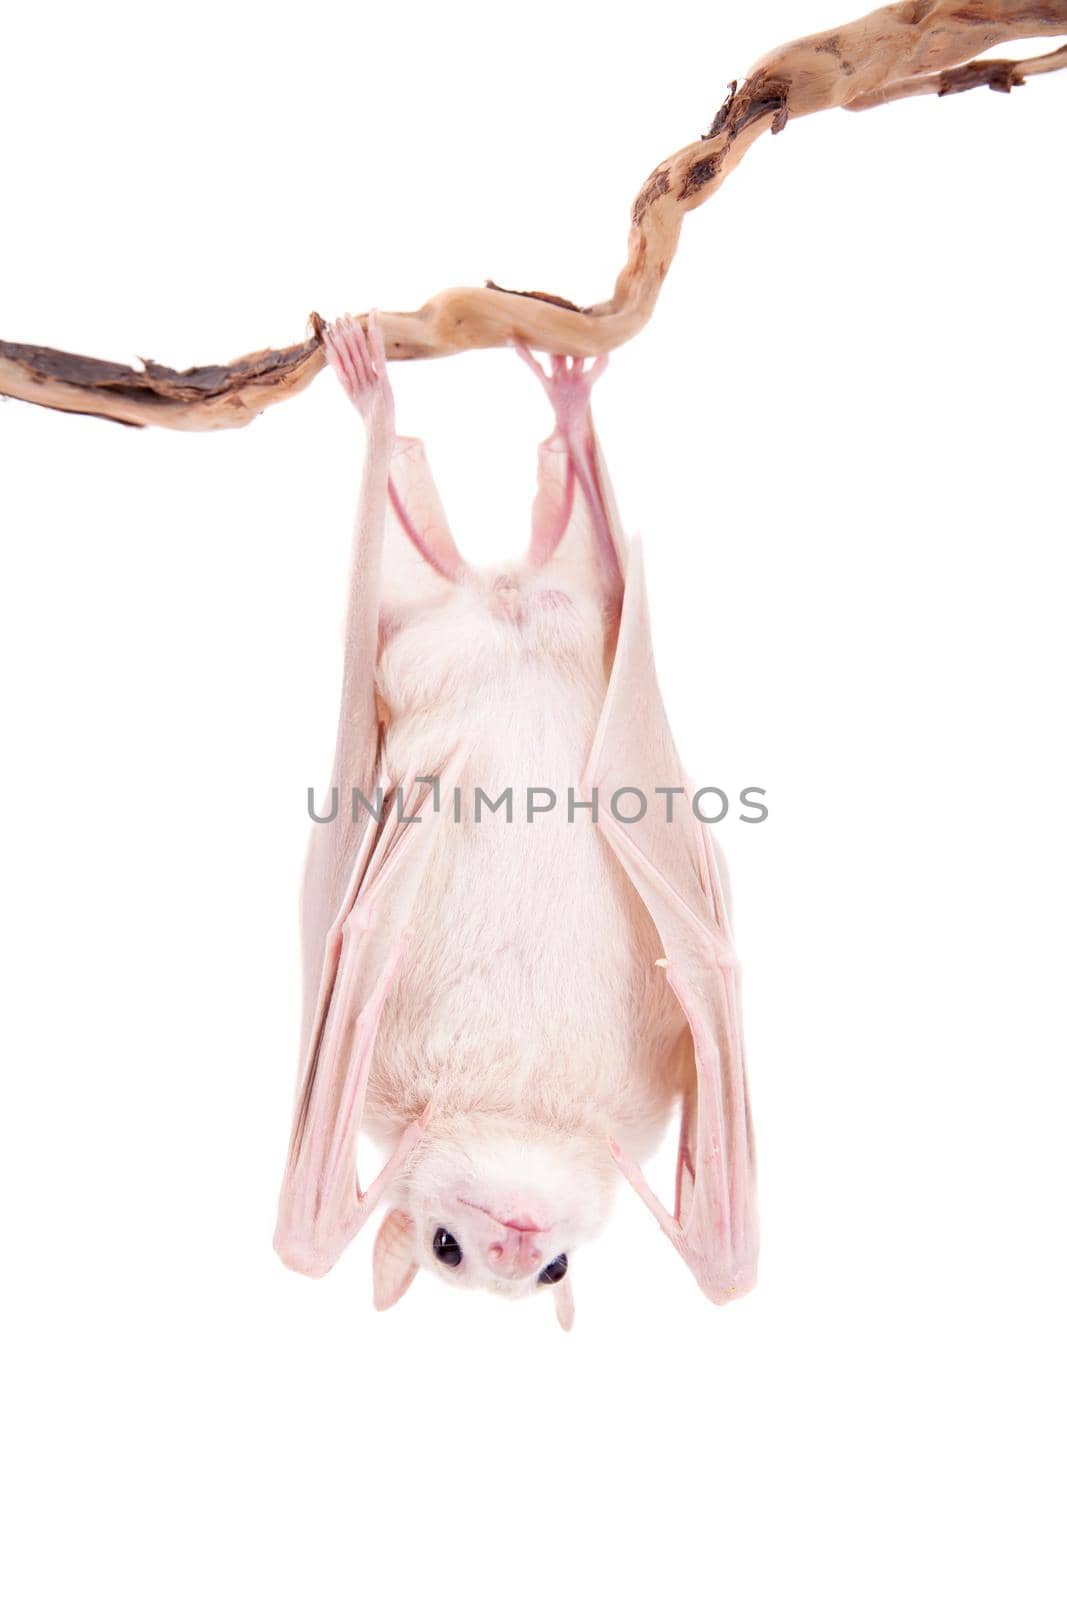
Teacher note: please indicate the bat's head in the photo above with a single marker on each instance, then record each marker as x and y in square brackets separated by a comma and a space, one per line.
[486, 1207]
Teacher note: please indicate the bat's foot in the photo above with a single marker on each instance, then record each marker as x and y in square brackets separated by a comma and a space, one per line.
[357, 355]
[568, 383]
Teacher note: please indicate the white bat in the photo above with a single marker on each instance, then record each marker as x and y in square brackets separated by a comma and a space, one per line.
[513, 1005]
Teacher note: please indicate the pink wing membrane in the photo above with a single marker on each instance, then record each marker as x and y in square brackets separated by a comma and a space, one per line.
[670, 864]
[553, 505]
[420, 556]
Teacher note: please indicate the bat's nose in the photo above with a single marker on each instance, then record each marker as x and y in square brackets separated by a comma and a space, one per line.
[516, 1252]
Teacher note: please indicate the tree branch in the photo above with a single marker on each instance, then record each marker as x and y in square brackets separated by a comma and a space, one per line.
[912, 48]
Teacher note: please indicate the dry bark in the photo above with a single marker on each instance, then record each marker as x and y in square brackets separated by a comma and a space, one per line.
[913, 48]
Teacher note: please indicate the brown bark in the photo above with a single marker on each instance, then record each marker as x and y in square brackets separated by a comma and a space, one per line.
[913, 48]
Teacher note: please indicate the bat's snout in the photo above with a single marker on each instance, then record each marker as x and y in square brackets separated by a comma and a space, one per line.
[516, 1252]
[513, 1240]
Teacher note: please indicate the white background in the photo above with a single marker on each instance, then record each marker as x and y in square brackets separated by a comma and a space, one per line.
[841, 437]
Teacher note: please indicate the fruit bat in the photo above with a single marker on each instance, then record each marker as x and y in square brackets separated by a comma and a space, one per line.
[517, 953]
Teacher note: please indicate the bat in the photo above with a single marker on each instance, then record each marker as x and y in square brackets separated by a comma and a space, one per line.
[518, 961]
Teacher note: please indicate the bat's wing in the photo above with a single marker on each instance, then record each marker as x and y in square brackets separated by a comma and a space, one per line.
[322, 1206]
[363, 870]
[667, 854]
[674, 868]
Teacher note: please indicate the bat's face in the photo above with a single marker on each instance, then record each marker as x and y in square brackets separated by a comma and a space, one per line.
[504, 1212]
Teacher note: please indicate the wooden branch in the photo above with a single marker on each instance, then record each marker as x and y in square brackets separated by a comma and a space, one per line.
[1003, 75]
[198, 399]
[912, 48]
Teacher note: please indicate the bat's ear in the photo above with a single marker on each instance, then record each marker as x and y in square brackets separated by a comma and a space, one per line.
[563, 1294]
[394, 1261]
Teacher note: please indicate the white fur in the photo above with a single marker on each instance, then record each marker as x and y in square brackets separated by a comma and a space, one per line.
[527, 1008]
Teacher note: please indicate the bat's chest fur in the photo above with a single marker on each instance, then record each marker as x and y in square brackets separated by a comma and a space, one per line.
[528, 986]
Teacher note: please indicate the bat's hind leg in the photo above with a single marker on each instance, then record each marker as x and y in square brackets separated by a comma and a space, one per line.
[569, 385]
[568, 382]
[357, 355]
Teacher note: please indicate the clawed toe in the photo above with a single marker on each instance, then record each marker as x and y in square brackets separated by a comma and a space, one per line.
[357, 355]
[568, 383]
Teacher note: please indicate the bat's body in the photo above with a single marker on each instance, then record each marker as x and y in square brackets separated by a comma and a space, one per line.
[503, 988]
[527, 1008]
[519, 919]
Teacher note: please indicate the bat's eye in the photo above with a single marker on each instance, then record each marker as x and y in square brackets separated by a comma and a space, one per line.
[447, 1249]
[554, 1271]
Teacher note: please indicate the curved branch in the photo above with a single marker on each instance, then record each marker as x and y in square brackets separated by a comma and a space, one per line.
[912, 48]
